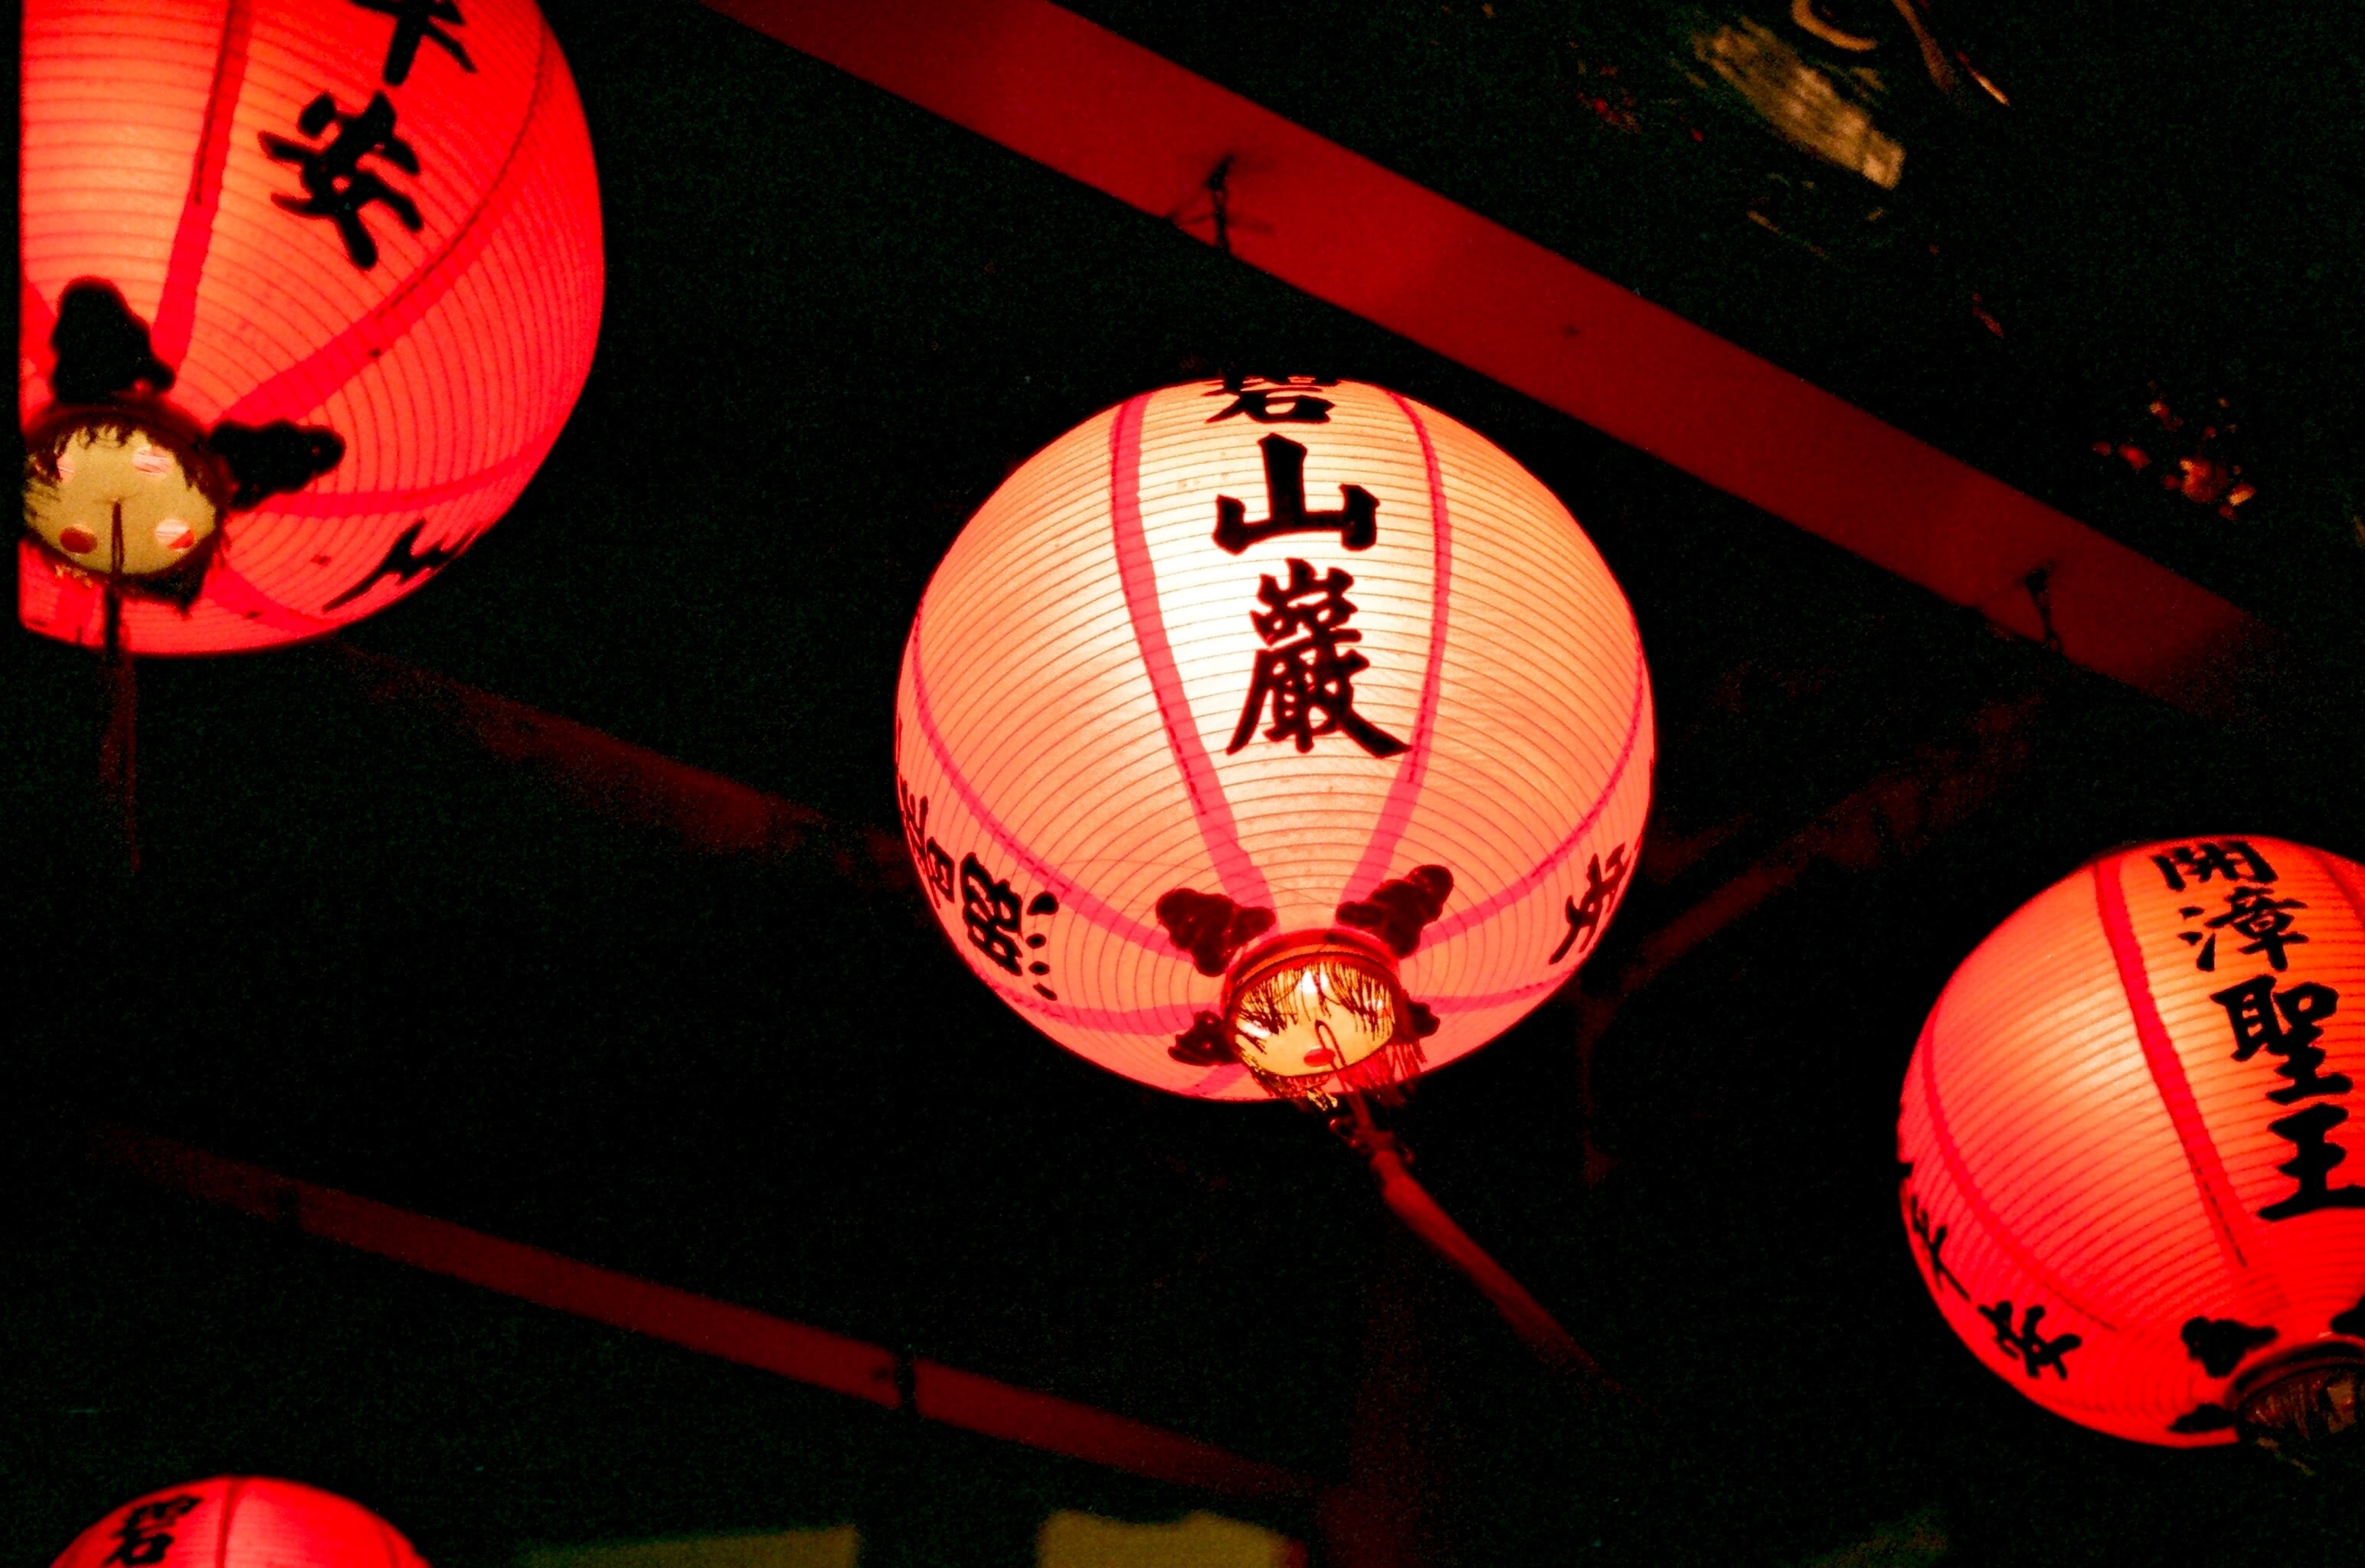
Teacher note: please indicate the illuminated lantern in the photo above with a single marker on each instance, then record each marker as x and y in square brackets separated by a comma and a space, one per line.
[238, 1521]
[308, 288]
[2128, 1133]
[1282, 737]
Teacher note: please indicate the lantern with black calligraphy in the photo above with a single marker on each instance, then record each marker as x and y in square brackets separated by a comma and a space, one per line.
[308, 288]
[238, 1521]
[2127, 1134]
[1273, 737]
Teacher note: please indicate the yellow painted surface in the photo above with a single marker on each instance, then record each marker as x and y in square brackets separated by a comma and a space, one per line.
[1196, 1541]
[782, 1549]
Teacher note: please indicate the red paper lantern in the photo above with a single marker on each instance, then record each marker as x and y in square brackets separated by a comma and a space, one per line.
[238, 1521]
[1282, 737]
[2125, 1133]
[340, 280]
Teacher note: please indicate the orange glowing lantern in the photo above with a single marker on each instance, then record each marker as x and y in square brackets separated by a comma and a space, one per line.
[237, 1522]
[2125, 1132]
[308, 288]
[1273, 737]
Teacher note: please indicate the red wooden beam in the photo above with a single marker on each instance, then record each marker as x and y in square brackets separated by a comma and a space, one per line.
[711, 1327]
[1054, 87]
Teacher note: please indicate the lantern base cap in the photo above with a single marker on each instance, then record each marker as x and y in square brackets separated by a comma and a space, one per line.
[1317, 1014]
[2313, 1394]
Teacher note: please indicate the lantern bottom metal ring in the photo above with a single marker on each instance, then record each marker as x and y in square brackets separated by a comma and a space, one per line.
[1315, 1014]
[2311, 1394]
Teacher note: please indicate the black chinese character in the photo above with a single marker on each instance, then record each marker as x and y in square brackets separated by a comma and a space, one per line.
[336, 186]
[2286, 1027]
[1356, 521]
[145, 1535]
[2212, 859]
[1401, 908]
[1207, 1043]
[1601, 885]
[2312, 1161]
[2220, 1343]
[989, 913]
[402, 563]
[1041, 905]
[936, 867]
[1289, 400]
[1209, 927]
[2254, 912]
[1933, 1243]
[1310, 681]
[2036, 1353]
[414, 21]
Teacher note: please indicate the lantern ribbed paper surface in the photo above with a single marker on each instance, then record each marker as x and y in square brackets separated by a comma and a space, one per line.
[236, 1521]
[1220, 668]
[2129, 1128]
[374, 224]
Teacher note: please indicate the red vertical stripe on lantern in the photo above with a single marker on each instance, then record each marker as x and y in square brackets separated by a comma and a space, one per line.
[308, 384]
[1243, 884]
[231, 1496]
[1079, 899]
[2342, 874]
[177, 314]
[227, 587]
[1958, 1172]
[1395, 811]
[2227, 1219]
[1455, 924]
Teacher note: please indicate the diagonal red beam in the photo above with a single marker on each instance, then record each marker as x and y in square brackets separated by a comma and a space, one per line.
[698, 1323]
[1056, 88]
[703, 811]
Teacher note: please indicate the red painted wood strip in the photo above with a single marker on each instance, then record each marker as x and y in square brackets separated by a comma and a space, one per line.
[694, 1322]
[1053, 87]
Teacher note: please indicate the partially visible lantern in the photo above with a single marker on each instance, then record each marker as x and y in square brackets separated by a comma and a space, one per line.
[1273, 737]
[2125, 1131]
[239, 1521]
[308, 290]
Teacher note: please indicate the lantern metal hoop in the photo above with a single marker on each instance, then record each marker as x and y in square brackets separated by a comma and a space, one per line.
[2310, 1394]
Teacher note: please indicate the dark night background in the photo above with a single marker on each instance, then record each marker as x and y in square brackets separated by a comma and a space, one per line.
[365, 953]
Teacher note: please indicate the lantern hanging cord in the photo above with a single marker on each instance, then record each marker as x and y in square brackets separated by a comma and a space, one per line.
[119, 771]
[2039, 584]
[1411, 1203]
[1219, 200]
